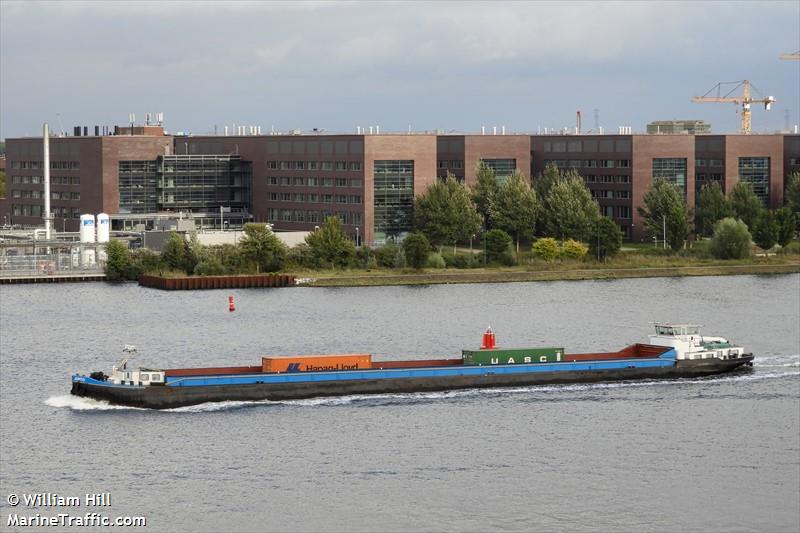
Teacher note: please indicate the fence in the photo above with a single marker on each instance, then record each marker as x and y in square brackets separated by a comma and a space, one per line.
[44, 265]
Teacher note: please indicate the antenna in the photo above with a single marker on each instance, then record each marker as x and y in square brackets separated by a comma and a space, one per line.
[64, 134]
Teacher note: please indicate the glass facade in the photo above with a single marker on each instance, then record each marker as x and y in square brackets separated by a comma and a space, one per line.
[755, 171]
[503, 168]
[193, 183]
[137, 186]
[671, 169]
[394, 199]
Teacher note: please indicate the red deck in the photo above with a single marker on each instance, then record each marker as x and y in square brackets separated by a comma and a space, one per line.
[634, 351]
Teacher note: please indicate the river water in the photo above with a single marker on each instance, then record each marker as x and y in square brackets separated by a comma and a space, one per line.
[717, 454]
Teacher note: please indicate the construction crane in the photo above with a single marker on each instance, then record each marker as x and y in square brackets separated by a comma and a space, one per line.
[794, 56]
[744, 100]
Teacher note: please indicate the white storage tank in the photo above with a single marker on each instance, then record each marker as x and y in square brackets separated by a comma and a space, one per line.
[103, 227]
[87, 228]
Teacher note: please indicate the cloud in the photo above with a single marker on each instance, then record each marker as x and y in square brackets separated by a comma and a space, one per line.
[508, 55]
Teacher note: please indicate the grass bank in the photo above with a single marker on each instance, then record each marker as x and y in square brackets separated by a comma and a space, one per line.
[627, 267]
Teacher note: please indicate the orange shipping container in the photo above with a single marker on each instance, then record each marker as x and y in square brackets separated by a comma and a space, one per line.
[316, 363]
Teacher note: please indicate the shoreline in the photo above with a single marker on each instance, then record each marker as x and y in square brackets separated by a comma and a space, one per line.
[512, 276]
[551, 272]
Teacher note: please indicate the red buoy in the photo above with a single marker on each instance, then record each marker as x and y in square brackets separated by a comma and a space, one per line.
[489, 341]
[231, 306]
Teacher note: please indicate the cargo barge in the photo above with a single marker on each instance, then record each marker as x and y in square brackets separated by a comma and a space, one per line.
[674, 351]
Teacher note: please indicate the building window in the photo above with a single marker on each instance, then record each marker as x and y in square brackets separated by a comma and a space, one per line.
[393, 182]
[700, 162]
[715, 162]
[503, 168]
[312, 182]
[355, 183]
[755, 171]
[671, 169]
[355, 165]
[341, 182]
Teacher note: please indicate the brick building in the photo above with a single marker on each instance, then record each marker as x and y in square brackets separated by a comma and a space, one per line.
[368, 181]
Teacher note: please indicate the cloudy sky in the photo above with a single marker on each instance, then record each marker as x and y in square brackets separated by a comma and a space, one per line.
[427, 66]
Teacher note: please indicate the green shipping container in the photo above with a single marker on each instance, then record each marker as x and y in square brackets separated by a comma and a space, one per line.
[512, 356]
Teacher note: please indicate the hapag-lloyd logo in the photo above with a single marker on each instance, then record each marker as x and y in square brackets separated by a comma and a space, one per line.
[295, 367]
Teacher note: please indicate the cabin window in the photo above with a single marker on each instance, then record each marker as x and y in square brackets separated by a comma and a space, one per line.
[144, 377]
[155, 377]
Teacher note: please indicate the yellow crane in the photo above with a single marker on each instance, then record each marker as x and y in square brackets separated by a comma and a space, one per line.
[744, 100]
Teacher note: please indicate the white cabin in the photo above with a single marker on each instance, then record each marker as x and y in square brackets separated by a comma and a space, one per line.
[122, 375]
[690, 344]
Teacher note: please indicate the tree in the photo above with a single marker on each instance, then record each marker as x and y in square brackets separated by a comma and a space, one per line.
[745, 204]
[786, 221]
[607, 239]
[665, 210]
[545, 181]
[515, 208]
[416, 248]
[484, 192]
[546, 248]
[711, 207]
[330, 246]
[731, 240]
[792, 196]
[498, 247]
[261, 246]
[766, 230]
[445, 213]
[570, 210]
[173, 254]
[118, 260]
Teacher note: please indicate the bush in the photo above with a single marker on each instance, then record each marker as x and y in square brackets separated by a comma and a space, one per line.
[793, 248]
[209, 266]
[573, 249]
[765, 231]
[416, 248]
[435, 260]
[399, 258]
[786, 224]
[386, 254]
[300, 256]
[465, 260]
[731, 240]
[498, 246]
[330, 246]
[546, 248]
[143, 261]
[118, 260]
[607, 240]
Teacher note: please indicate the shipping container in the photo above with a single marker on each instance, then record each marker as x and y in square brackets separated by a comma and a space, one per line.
[316, 363]
[512, 356]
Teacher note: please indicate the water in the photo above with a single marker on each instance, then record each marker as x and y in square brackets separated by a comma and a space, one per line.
[719, 454]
